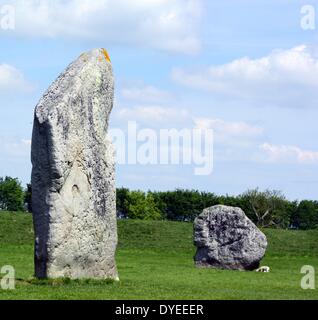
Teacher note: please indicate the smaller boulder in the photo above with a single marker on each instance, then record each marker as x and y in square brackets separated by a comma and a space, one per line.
[227, 239]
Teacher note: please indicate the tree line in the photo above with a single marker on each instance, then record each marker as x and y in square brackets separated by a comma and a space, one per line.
[269, 208]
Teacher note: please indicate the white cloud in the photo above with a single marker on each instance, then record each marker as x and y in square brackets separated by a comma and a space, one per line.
[285, 78]
[145, 94]
[15, 147]
[231, 133]
[231, 137]
[228, 127]
[26, 142]
[171, 25]
[153, 114]
[12, 79]
[286, 153]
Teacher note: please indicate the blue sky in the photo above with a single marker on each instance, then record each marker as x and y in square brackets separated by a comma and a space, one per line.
[246, 69]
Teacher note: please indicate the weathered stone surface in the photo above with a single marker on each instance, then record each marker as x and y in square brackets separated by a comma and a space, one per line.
[73, 175]
[227, 239]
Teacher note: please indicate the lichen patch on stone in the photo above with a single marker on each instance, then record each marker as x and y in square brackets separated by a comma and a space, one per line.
[106, 55]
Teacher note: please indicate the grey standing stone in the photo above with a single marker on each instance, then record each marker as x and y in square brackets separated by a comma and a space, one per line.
[226, 238]
[73, 175]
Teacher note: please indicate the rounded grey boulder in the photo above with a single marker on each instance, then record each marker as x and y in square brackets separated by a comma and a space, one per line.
[226, 238]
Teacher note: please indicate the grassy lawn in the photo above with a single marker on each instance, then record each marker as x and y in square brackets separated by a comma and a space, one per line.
[155, 261]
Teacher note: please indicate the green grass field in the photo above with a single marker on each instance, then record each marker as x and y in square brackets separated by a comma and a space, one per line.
[155, 261]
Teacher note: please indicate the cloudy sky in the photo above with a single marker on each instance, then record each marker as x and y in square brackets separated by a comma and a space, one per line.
[246, 69]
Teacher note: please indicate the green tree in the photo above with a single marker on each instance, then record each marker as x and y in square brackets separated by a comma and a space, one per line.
[231, 201]
[142, 206]
[121, 196]
[266, 208]
[11, 194]
[306, 215]
[28, 197]
[159, 203]
[182, 204]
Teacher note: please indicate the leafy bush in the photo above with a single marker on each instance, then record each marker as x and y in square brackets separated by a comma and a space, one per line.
[11, 194]
[306, 215]
[142, 206]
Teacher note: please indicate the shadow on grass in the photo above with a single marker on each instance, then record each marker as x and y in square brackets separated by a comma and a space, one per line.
[66, 282]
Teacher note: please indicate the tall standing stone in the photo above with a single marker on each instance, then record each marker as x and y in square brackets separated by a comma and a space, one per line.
[73, 175]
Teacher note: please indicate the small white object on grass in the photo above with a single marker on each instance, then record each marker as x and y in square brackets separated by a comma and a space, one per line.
[263, 269]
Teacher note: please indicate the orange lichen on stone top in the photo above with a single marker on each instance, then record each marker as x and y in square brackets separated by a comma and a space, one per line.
[106, 55]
